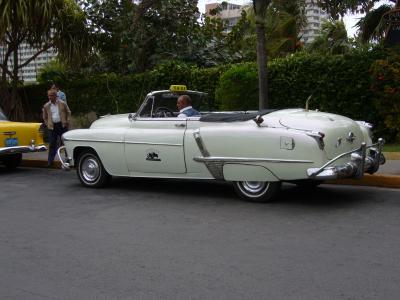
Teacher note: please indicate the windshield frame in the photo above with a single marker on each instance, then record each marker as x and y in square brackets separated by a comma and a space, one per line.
[152, 96]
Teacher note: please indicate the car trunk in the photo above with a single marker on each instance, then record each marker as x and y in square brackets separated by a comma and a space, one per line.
[19, 134]
[336, 129]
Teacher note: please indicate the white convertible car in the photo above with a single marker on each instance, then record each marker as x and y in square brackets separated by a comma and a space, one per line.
[255, 151]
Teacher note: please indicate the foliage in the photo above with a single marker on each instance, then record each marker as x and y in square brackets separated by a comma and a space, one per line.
[337, 82]
[112, 93]
[109, 23]
[338, 8]
[372, 26]
[135, 36]
[53, 72]
[237, 89]
[44, 25]
[332, 39]
[385, 77]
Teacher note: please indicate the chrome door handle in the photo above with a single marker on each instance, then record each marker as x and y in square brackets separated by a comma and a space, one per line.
[180, 125]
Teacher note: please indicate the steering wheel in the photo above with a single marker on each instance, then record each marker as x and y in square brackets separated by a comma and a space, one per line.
[163, 112]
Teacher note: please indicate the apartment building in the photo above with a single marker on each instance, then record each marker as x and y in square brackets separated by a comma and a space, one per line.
[314, 14]
[28, 74]
[230, 12]
[315, 18]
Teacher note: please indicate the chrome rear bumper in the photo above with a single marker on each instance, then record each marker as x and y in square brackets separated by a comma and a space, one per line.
[359, 164]
[22, 149]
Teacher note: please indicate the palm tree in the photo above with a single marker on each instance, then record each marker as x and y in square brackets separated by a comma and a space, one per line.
[372, 26]
[44, 25]
[260, 11]
[332, 39]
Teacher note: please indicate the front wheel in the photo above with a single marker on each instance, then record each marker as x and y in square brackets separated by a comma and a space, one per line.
[90, 170]
[257, 191]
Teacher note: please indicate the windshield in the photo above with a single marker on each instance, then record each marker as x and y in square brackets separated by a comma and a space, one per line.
[2, 116]
[167, 101]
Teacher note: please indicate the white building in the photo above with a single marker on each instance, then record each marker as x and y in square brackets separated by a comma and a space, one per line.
[29, 72]
[230, 12]
[315, 18]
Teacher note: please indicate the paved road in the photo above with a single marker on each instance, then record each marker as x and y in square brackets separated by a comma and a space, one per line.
[160, 239]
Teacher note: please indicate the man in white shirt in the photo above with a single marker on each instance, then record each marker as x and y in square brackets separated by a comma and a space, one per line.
[184, 105]
[56, 116]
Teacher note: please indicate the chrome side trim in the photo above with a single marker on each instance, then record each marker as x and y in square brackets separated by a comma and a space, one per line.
[247, 159]
[157, 144]
[97, 141]
[121, 142]
[200, 143]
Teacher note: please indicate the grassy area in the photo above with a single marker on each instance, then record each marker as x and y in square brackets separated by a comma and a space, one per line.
[391, 148]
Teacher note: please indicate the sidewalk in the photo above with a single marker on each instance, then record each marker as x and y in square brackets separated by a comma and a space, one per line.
[388, 174]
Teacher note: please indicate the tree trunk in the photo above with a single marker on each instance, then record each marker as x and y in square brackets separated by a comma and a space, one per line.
[14, 81]
[15, 109]
[262, 67]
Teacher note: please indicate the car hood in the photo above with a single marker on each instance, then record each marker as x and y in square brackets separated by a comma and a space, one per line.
[108, 121]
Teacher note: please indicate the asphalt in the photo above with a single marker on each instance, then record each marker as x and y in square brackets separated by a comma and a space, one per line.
[388, 175]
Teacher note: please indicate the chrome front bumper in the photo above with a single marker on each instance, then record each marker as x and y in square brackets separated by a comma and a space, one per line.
[22, 149]
[359, 164]
[64, 159]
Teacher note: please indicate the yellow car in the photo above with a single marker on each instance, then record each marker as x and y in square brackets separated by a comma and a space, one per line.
[17, 138]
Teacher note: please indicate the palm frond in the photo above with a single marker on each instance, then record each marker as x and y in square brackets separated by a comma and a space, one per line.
[372, 26]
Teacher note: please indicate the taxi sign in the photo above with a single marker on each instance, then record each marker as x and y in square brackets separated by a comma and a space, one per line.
[177, 88]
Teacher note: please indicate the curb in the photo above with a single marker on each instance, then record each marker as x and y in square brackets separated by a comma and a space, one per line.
[377, 180]
[392, 155]
[34, 163]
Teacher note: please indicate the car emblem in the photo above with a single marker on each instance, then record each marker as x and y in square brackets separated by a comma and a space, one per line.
[339, 142]
[152, 155]
[351, 137]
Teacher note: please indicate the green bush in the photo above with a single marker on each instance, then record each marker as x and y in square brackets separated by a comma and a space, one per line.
[111, 93]
[238, 88]
[339, 84]
[385, 77]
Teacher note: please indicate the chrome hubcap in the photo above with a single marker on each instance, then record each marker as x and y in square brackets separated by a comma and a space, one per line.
[254, 187]
[90, 169]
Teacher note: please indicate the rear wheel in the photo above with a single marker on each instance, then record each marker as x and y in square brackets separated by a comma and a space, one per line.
[91, 171]
[257, 191]
[12, 161]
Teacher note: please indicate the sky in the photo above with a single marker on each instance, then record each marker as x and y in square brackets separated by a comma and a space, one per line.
[349, 20]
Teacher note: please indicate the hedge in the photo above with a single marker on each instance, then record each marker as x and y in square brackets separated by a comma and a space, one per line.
[110, 93]
[339, 84]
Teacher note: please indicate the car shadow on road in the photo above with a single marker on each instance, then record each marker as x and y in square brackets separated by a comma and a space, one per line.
[321, 196]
